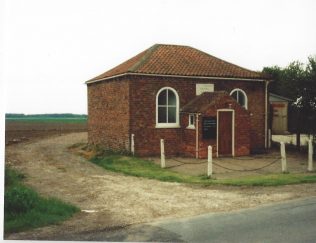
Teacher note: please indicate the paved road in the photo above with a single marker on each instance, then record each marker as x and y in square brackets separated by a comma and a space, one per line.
[286, 222]
[293, 221]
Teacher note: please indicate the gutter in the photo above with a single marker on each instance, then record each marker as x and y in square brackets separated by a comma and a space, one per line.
[173, 76]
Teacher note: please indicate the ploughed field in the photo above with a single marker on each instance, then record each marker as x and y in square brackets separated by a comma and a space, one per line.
[25, 129]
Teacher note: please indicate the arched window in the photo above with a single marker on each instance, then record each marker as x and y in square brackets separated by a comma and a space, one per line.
[241, 97]
[167, 108]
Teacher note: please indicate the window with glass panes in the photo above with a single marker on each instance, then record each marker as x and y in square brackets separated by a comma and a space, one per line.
[167, 106]
[191, 120]
[240, 96]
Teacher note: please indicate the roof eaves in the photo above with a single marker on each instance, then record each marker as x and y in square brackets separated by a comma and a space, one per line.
[280, 97]
[176, 76]
[105, 78]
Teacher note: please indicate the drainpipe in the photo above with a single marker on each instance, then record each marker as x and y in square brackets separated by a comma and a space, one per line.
[197, 137]
[266, 115]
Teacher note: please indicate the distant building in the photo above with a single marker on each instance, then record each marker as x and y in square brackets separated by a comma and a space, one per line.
[279, 108]
[185, 96]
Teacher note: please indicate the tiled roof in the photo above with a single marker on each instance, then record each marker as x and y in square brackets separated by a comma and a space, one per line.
[179, 60]
[203, 101]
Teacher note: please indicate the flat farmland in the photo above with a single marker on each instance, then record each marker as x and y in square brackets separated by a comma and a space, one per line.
[25, 129]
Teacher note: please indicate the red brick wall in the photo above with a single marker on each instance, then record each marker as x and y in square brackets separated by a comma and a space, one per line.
[189, 137]
[143, 112]
[108, 110]
[143, 92]
[124, 106]
[256, 106]
[242, 131]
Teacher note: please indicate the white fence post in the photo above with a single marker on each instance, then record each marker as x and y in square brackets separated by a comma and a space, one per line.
[132, 145]
[269, 138]
[162, 153]
[283, 157]
[209, 161]
[310, 155]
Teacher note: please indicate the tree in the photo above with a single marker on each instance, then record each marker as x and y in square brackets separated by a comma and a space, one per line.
[286, 80]
[298, 82]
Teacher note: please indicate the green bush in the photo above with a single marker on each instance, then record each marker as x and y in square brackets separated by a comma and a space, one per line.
[19, 199]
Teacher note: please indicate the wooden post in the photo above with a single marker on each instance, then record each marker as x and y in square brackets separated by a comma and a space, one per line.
[162, 153]
[310, 155]
[132, 145]
[269, 138]
[283, 157]
[209, 161]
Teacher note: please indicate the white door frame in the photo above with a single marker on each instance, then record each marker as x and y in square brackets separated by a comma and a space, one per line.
[233, 130]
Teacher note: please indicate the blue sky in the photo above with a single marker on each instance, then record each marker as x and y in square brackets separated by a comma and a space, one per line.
[50, 48]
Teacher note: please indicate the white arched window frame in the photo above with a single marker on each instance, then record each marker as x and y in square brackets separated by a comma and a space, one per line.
[167, 107]
[241, 97]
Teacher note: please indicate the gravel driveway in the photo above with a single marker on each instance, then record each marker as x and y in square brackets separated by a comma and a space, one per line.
[109, 200]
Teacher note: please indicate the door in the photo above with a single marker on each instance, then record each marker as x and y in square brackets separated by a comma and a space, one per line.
[279, 120]
[225, 132]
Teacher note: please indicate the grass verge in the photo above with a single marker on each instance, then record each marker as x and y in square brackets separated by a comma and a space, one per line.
[25, 209]
[141, 168]
[270, 180]
[48, 120]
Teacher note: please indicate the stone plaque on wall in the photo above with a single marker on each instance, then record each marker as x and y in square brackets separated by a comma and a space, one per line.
[201, 88]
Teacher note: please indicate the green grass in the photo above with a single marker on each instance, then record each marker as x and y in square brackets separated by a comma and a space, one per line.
[141, 168]
[25, 209]
[48, 120]
[270, 180]
[12, 177]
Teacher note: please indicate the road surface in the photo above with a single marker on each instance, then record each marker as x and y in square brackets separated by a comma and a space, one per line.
[293, 221]
[286, 222]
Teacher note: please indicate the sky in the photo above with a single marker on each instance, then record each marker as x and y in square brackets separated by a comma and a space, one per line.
[49, 48]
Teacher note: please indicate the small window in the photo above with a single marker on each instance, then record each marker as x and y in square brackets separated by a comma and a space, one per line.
[191, 121]
[241, 97]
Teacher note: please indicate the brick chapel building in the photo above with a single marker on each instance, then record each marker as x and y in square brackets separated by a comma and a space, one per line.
[183, 95]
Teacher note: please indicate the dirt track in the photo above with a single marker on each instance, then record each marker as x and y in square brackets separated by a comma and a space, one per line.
[112, 200]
